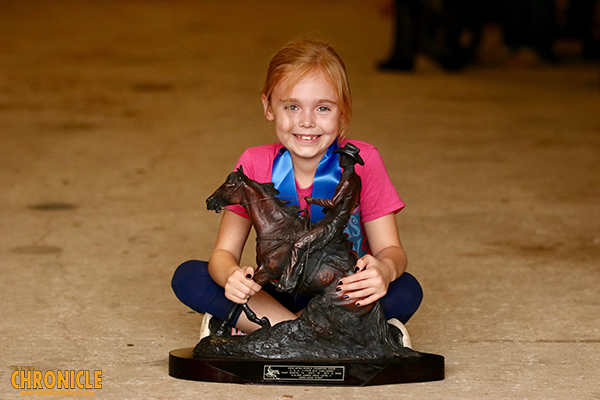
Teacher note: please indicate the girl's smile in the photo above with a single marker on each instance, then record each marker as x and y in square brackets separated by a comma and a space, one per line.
[307, 137]
[306, 118]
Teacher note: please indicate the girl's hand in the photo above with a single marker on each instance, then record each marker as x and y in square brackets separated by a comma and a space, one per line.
[240, 286]
[370, 283]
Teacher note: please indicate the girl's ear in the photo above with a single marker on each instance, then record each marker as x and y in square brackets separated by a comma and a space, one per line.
[267, 108]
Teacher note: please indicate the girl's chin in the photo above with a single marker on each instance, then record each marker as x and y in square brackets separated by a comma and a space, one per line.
[308, 153]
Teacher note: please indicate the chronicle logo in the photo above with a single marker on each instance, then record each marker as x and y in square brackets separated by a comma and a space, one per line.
[69, 382]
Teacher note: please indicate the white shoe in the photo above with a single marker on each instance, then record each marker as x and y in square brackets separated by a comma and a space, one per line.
[205, 326]
[210, 325]
[404, 338]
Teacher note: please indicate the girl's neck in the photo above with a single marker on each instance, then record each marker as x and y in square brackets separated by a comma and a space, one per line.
[304, 171]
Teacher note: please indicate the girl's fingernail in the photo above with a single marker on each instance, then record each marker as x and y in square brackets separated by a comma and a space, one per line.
[248, 276]
[340, 282]
[356, 269]
[346, 297]
[357, 304]
[338, 289]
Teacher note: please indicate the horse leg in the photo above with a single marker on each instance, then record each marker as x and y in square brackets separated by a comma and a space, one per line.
[228, 319]
[291, 274]
[263, 322]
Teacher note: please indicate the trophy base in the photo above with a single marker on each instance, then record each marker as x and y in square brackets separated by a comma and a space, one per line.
[422, 368]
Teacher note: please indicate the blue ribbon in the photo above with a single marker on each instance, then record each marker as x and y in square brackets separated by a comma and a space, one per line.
[326, 179]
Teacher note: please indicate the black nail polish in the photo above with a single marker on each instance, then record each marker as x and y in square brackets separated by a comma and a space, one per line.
[357, 304]
[340, 282]
[338, 289]
[356, 269]
[248, 276]
[346, 297]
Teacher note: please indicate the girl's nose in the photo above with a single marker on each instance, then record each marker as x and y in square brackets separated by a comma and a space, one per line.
[307, 120]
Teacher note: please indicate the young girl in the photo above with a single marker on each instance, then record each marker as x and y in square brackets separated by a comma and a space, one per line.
[307, 97]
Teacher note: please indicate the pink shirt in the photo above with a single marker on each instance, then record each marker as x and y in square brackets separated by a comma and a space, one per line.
[378, 196]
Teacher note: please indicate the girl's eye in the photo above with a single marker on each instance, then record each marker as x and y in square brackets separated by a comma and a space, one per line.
[323, 109]
[291, 107]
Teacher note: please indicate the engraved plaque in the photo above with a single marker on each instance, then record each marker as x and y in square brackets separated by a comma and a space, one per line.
[321, 373]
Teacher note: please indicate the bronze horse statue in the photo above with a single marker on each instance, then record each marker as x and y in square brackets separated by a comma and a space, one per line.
[279, 227]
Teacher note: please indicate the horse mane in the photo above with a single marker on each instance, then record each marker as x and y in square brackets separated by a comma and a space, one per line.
[269, 191]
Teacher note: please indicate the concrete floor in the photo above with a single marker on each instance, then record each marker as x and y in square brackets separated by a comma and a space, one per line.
[118, 119]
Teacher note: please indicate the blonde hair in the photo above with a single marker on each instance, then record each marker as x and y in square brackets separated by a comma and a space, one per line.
[304, 57]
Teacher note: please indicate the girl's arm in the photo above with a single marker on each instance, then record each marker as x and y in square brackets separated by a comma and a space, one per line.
[377, 271]
[223, 265]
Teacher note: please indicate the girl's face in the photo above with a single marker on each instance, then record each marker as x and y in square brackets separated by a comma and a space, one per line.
[307, 118]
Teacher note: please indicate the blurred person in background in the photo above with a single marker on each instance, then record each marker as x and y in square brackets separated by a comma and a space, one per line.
[448, 31]
[529, 31]
[582, 21]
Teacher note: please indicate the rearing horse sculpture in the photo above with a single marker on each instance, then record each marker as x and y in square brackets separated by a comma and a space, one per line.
[279, 227]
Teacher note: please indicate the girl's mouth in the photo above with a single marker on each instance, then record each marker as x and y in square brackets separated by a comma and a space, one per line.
[307, 138]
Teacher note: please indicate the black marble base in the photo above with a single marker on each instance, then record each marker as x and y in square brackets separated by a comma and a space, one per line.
[423, 368]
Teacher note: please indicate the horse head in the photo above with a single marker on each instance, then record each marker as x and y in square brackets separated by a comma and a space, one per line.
[228, 193]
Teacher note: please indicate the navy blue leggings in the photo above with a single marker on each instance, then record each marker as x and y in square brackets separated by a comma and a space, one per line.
[195, 288]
